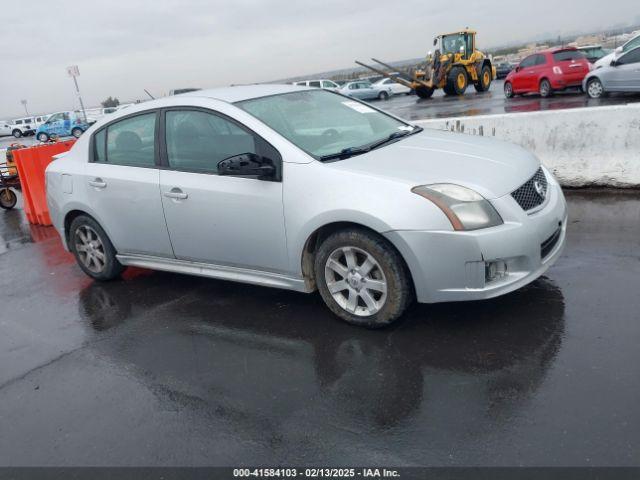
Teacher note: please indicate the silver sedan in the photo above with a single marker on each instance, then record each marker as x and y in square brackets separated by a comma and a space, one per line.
[621, 75]
[305, 189]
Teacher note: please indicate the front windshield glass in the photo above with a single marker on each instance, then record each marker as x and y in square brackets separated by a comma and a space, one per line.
[323, 123]
[452, 43]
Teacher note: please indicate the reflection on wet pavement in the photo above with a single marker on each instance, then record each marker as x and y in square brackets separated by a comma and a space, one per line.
[166, 369]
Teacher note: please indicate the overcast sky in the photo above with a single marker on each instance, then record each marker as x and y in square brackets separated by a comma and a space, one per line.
[123, 46]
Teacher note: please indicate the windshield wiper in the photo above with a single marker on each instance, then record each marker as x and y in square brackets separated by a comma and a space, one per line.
[351, 151]
[346, 153]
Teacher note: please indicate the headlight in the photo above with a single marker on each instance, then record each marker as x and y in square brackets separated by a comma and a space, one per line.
[465, 208]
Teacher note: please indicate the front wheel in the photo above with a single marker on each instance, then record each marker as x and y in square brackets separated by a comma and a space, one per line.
[383, 96]
[545, 88]
[16, 133]
[93, 250]
[595, 88]
[76, 132]
[362, 278]
[484, 82]
[43, 137]
[423, 92]
[457, 81]
[8, 199]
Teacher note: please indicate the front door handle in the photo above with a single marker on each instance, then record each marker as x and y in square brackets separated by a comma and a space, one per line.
[98, 183]
[176, 194]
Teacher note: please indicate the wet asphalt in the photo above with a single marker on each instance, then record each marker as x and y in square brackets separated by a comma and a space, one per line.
[165, 369]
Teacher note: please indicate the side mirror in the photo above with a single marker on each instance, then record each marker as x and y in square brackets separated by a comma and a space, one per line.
[613, 63]
[247, 164]
[435, 41]
[618, 49]
[518, 68]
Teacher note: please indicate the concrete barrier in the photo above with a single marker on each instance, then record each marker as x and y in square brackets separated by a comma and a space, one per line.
[596, 146]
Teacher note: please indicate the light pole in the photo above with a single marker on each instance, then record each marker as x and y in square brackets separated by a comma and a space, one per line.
[24, 104]
[73, 71]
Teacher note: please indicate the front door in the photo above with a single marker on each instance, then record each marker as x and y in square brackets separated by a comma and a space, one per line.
[222, 220]
[122, 182]
[625, 75]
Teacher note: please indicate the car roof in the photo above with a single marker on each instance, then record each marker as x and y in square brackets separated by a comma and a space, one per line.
[239, 93]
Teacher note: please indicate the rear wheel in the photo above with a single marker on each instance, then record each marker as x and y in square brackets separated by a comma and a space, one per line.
[93, 249]
[595, 88]
[484, 82]
[43, 137]
[545, 88]
[362, 278]
[16, 133]
[76, 132]
[8, 199]
[383, 96]
[424, 92]
[457, 81]
[508, 90]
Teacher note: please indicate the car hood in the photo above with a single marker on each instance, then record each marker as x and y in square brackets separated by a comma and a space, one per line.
[605, 61]
[490, 167]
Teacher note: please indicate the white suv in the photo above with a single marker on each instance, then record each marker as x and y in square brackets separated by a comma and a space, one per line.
[23, 126]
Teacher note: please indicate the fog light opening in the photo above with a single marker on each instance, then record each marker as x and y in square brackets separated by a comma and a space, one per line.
[494, 270]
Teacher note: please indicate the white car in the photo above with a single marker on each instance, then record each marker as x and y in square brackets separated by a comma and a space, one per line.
[22, 127]
[322, 83]
[304, 189]
[396, 88]
[5, 128]
[606, 60]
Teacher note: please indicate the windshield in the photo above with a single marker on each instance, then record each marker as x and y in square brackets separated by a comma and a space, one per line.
[323, 123]
[452, 43]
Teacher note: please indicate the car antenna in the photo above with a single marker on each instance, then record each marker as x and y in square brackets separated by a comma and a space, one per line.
[147, 92]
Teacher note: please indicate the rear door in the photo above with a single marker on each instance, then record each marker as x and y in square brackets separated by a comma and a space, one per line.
[574, 65]
[122, 182]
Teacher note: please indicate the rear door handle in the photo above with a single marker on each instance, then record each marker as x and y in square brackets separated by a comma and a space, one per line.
[176, 194]
[98, 183]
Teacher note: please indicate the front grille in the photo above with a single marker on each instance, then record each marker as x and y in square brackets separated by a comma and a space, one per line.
[527, 195]
[547, 246]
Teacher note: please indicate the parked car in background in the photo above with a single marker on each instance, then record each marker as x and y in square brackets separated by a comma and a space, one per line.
[396, 88]
[180, 91]
[630, 45]
[548, 71]
[21, 127]
[62, 124]
[366, 90]
[5, 128]
[593, 52]
[368, 209]
[622, 75]
[503, 69]
[322, 83]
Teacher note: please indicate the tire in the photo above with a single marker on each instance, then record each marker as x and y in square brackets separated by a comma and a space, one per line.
[484, 82]
[423, 92]
[383, 96]
[356, 304]
[8, 199]
[595, 88]
[16, 133]
[43, 137]
[545, 89]
[85, 230]
[508, 90]
[457, 80]
[77, 132]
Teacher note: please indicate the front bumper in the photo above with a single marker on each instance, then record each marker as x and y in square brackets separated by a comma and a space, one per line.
[450, 265]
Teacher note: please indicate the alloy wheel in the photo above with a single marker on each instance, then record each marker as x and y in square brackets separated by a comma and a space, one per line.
[356, 281]
[595, 89]
[90, 249]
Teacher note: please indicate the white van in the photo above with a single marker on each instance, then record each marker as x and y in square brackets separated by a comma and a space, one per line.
[322, 83]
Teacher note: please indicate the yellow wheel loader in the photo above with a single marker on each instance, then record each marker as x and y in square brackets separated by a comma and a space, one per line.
[454, 65]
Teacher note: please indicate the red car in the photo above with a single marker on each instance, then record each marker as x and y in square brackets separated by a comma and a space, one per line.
[546, 71]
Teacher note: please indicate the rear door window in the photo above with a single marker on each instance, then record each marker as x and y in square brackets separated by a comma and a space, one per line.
[128, 142]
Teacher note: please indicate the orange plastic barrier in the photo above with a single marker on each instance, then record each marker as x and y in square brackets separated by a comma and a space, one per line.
[31, 163]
